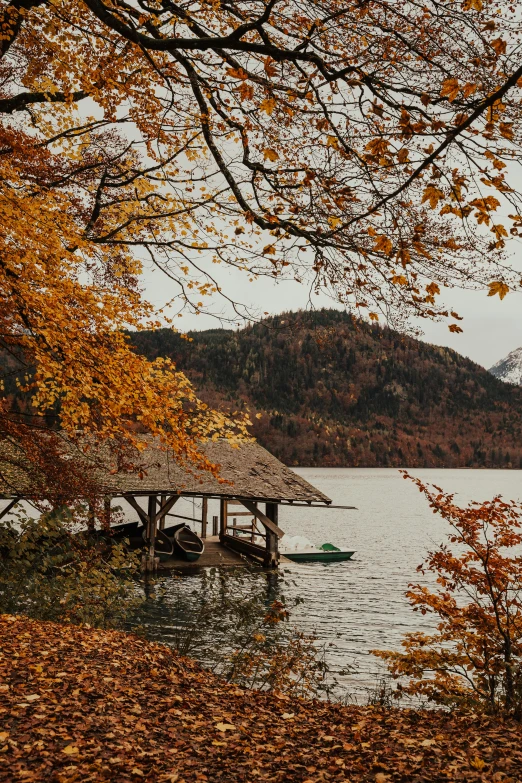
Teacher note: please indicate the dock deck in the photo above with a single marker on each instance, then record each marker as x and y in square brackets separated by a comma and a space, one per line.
[215, 555]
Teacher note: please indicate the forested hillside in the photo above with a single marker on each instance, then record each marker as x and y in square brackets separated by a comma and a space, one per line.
[334, 392]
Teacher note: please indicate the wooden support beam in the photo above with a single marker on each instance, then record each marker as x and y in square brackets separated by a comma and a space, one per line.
[272, 550]
[265, 521]
[222, 517]
[107, 511]
[244, 547]
[136, 506]
[161, 519]
[246, 529]
[151, 528]
[161, 512]
[165, 507]
[91, 517]
[181, 516]
[204, 515]
[9, 506]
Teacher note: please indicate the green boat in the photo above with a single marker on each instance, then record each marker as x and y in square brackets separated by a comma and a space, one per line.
[327, 553]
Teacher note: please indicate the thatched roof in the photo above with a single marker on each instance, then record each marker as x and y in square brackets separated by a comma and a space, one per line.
[254, 473]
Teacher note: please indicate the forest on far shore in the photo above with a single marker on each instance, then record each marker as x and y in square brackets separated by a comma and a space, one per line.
[332, 391]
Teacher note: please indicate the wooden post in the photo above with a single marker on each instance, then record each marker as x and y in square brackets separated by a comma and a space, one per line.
[163, 500]
[151, 532]
[91, 517]
[214, 526]
[150, 563]
[272, 550]
[222, 517]
[107, 511]
[204, 513]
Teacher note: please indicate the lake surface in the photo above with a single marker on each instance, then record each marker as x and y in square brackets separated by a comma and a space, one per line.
[359, 605]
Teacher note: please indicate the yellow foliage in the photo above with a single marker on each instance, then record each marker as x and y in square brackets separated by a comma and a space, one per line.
[268, 106]
[450, 88]
[383, 245]
[498, 287]
[433, 195]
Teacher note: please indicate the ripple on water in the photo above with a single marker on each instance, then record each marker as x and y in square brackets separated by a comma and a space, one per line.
[360, 605]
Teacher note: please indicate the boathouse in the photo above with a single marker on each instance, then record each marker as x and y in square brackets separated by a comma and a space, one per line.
[253, 486]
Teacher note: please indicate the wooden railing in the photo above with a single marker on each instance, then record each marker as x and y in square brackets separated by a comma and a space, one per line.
[238, 544]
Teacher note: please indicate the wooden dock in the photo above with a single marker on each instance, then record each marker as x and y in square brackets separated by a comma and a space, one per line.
[215, 555]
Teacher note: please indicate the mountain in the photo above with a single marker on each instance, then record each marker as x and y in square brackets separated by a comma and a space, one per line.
[509, 369]
[333, 391]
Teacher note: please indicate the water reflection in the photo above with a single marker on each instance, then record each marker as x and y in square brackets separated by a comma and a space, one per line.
[357, 605]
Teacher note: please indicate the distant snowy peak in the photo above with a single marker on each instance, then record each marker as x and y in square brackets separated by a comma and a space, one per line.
[510, 368]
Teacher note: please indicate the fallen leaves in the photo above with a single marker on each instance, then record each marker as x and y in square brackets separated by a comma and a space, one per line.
[194, 728]
[225, 726]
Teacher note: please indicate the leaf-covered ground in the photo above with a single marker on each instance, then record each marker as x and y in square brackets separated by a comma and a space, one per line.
[78, 704]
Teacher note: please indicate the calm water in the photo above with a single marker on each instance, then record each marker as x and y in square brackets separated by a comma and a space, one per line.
[360, 605]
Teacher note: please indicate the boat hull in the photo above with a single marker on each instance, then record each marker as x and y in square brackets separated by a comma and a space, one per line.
[318, 557]
[188, 544]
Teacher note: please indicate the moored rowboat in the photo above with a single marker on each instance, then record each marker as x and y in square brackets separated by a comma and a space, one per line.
[327, 553]
[188, 544]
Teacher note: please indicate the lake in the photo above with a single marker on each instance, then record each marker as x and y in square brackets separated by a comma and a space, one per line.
[359, 605]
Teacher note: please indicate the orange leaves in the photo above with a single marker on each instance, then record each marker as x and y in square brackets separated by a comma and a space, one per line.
[497, 287]
[383, 244]
[247, 100]
[378, 147]
[246, 91]
[506, 130]
[433, 194]
[268, 106]
[484, 206]
[270, 67]
[433, 289]
[270, 154]
[334, 221]
[450, 88]
[332, 141]
[499, 46]
[455, 328]
[468, 659]
[264, 735]
[404, 256]
[499, 231]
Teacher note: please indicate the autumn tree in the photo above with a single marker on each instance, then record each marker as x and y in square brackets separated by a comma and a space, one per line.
[473, 659]
[364, 146]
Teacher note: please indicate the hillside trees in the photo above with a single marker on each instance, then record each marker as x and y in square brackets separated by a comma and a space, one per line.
[334, 391]
[365, 144]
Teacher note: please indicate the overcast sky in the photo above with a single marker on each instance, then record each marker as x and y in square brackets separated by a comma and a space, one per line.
[491, 328]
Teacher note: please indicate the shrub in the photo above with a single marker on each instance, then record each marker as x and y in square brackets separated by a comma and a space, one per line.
[50, 572]
[473, 660]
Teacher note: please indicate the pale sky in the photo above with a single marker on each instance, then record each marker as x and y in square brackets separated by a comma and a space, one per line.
[492, 328]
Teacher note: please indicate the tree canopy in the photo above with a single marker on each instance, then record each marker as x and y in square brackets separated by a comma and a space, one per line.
[367, 145]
